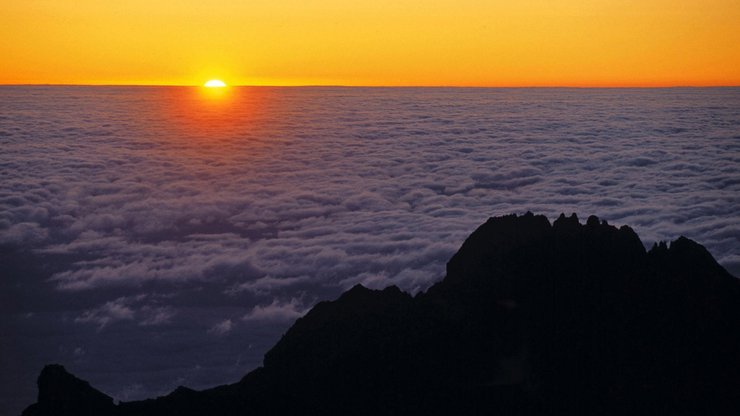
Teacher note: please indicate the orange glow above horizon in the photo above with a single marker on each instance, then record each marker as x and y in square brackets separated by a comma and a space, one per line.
[383, 42]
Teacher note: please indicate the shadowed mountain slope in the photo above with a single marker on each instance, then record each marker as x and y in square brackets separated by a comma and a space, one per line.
[532, 318]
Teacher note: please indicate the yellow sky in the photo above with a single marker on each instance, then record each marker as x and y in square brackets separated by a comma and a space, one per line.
[378, 42]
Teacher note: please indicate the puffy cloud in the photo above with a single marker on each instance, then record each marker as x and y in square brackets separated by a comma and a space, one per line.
[268, 284]
[221, 328]
[277, 311]
[24, 233]
[115, 310]
[156, 315]
[128, 309]
[114, 261]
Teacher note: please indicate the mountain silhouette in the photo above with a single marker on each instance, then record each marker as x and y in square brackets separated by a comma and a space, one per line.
[531, 318]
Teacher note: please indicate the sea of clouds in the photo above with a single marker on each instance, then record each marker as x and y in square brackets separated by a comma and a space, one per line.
[152, 237]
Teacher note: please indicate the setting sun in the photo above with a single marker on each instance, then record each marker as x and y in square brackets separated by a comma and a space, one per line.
[215, 83]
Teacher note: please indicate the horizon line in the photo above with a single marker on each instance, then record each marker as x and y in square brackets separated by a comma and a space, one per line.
[377, 86]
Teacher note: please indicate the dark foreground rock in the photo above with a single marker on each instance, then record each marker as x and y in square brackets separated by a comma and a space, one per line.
[61, 393]
[532, 318]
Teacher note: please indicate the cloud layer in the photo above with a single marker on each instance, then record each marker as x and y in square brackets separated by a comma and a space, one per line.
[164, 211]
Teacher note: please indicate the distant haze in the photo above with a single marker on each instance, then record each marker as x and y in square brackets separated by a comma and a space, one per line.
[155, 237]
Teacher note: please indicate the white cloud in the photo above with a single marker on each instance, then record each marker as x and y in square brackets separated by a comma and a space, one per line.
[221, 328]
[141, 308]
[268, 284]
[277, 311]
[119, 262]
[113, 311]
[159, 315]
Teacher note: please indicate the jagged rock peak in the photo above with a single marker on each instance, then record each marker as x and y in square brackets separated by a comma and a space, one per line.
[564, 221]
[56, 383]
[359, 290]
[66, 394]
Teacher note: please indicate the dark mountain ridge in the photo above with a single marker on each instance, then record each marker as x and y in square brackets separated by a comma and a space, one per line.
[531, 318]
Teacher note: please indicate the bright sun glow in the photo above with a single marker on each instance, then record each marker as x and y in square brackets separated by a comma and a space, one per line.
[215, 83]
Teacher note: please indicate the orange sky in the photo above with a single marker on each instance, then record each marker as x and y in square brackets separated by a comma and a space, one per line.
[378, 42]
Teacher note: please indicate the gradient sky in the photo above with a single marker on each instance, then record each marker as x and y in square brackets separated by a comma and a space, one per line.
[379, 42]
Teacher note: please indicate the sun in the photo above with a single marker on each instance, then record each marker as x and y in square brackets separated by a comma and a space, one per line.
[214, 83]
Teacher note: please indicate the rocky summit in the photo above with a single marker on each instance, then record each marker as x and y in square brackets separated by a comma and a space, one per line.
[531, 318]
